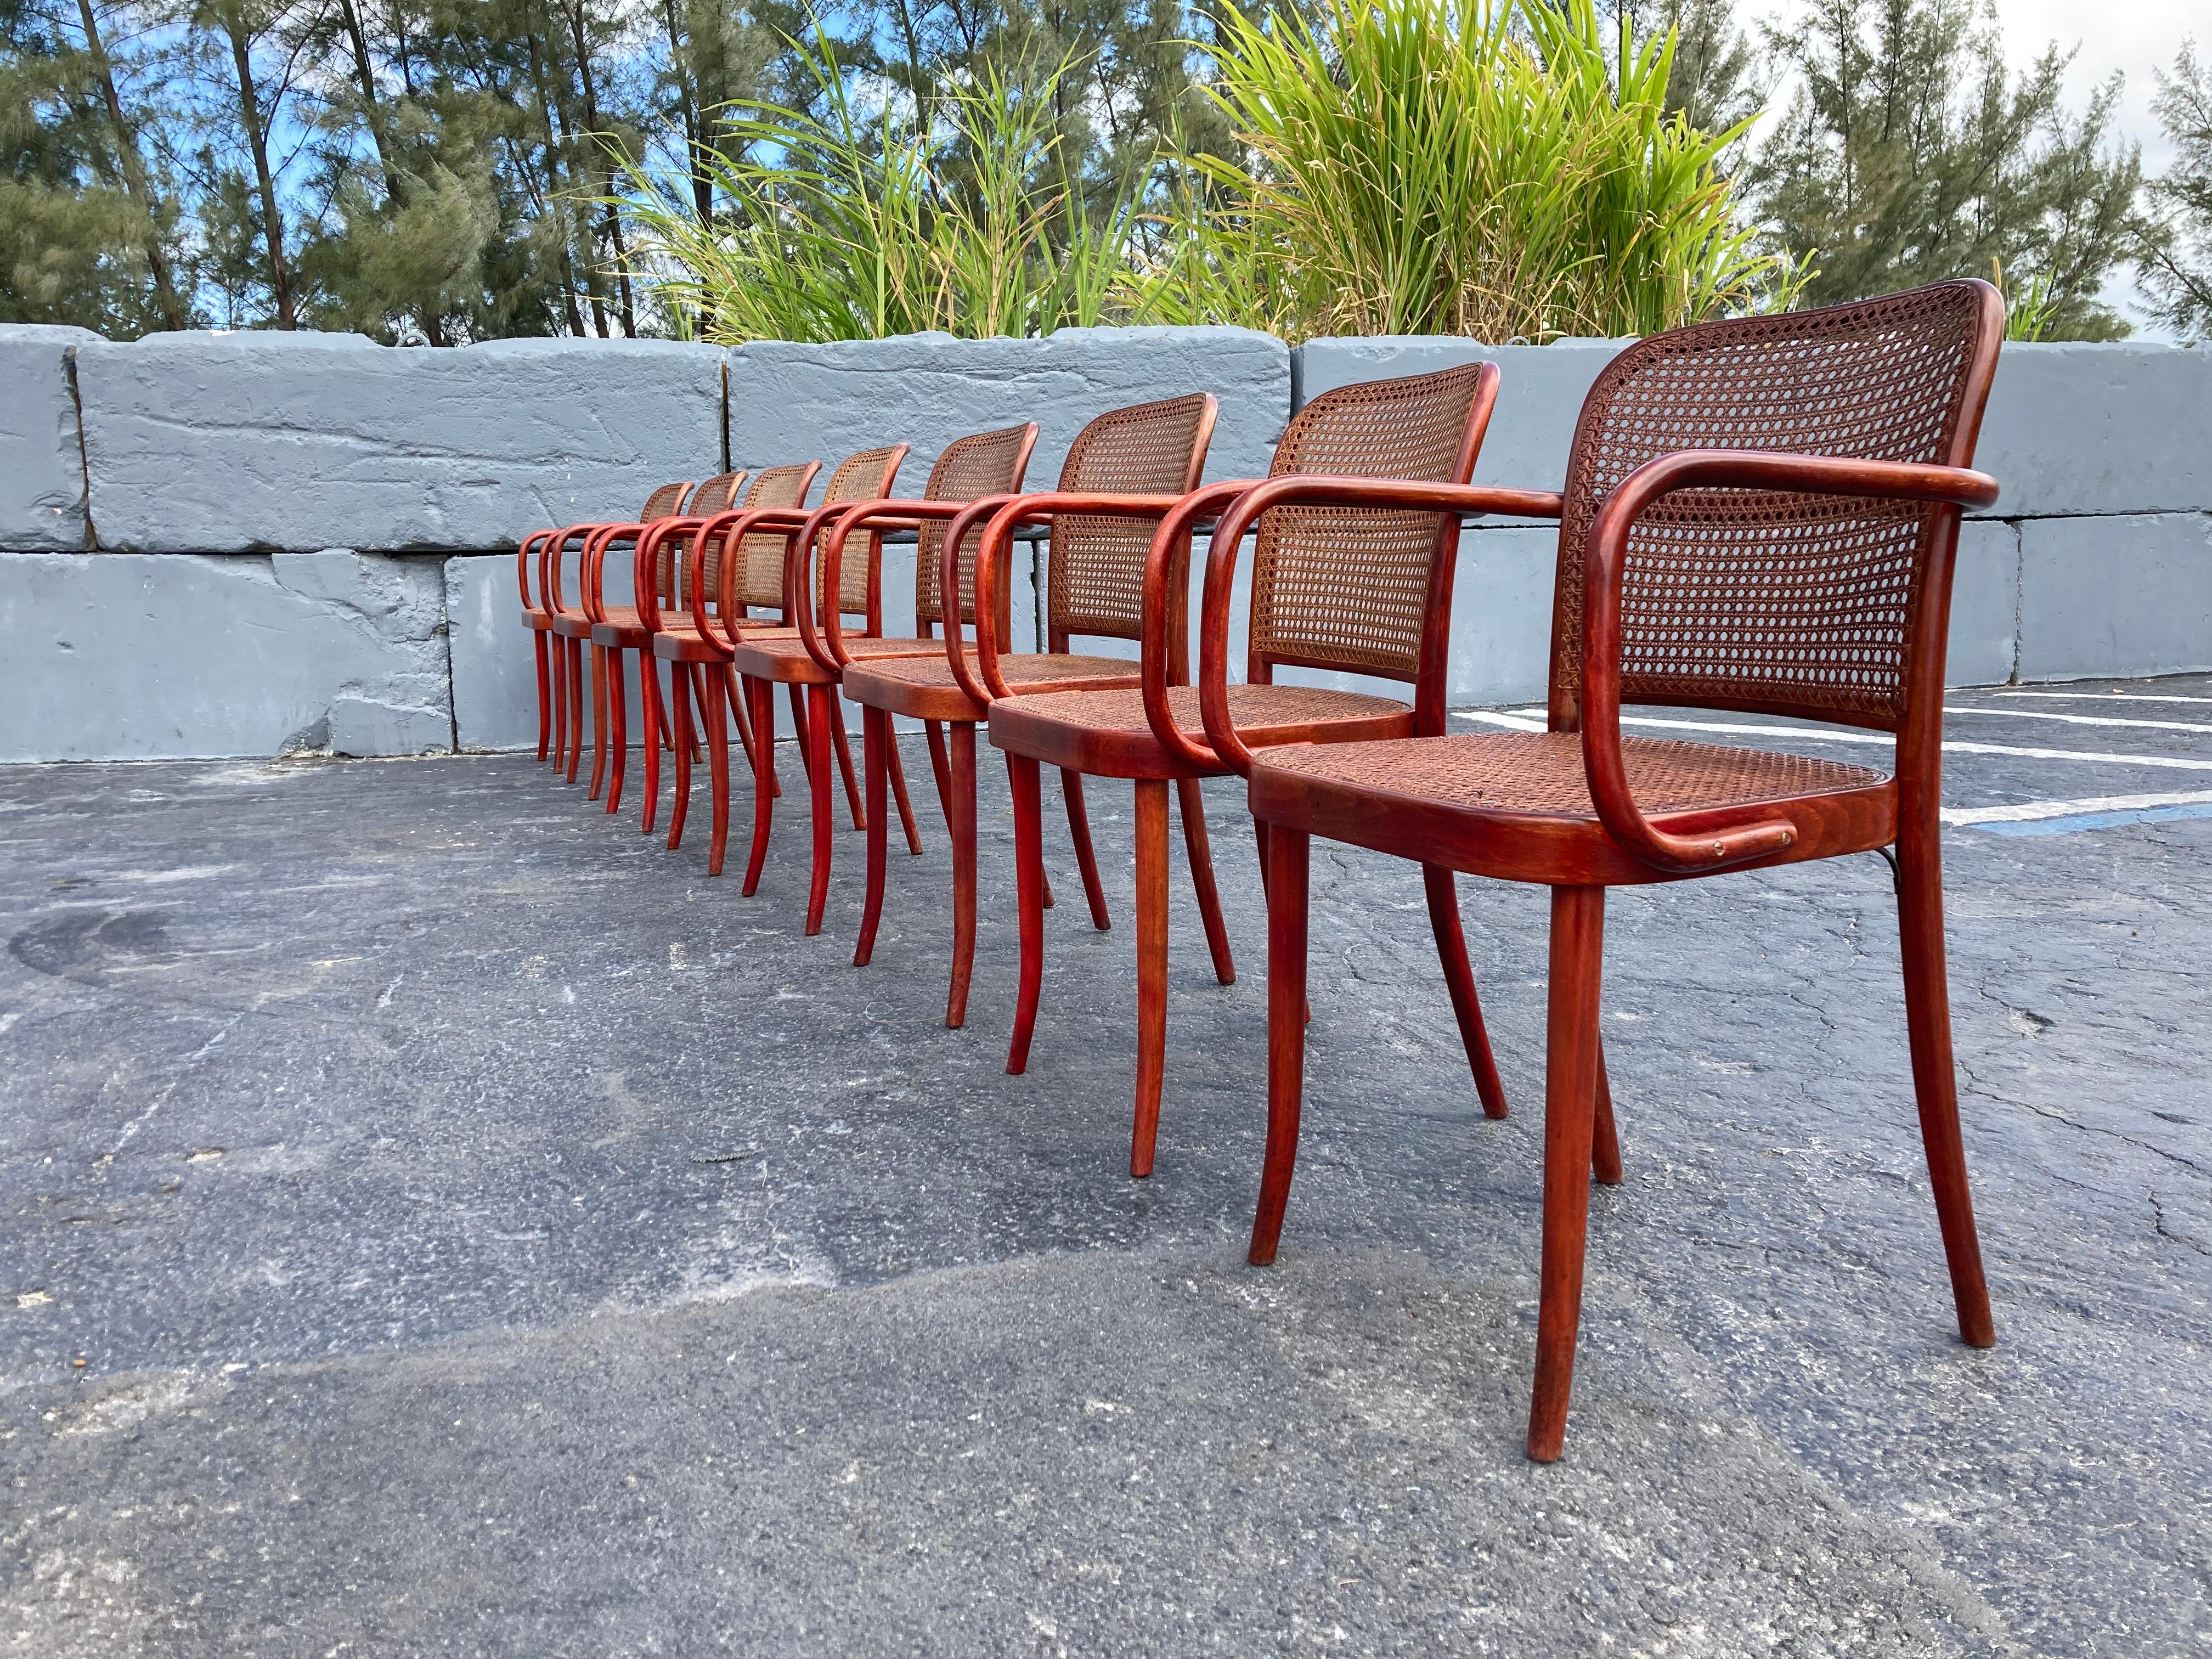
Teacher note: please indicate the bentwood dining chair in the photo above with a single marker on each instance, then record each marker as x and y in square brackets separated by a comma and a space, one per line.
[1362, 590]
[735, 539]
[1759, 515]
[863, 477]
[617, 629]
[982, 465]
[556, 646]
[1125, 469]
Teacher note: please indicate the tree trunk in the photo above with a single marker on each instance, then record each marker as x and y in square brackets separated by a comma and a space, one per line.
[272, 221]
[134, 174]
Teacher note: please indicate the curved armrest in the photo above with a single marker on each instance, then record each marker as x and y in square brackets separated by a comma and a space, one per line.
[551, 552]
[589, 576]
[885, 512]
[1317, 490]
[1604, 565]
[732, 528]
[1165, 568]
[535, 538]
[970, 514]
[798, 595]
[998, 544]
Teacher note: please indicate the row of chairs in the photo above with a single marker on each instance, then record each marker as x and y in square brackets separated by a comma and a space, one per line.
[1757, 516]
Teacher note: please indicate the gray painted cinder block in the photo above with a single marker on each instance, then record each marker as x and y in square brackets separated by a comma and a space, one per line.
[795, 402]
[1539, 392]
[2127, 595]
[202, 443]
[2076, 428]
[41, 460]
[1984, 641]
[127, 658]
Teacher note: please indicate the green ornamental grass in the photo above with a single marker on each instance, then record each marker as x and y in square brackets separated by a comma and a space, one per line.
[1502, 169]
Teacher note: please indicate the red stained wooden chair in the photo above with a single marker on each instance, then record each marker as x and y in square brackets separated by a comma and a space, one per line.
[1360, 589]
[861, 478]
[560, 681]
[1125, 470]
[1759, 515]
[982, 467]
[617, 629]
[691, 634]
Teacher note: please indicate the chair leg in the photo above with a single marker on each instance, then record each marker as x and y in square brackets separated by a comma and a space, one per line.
[558, 655]
[1288, 854]
[679, 805]
[1079, 828]
[799, 724]
[1458, 980]
[819, 720]
[655, 735]
[718, 771]
[875, 740]
[544, 692]
[960, 811]
[942, 764]
[1605, 1141]
[734, 696]
[1569, 1109]
[1935, 1077]
[898, 791]
[599, 722]
[1151, 967]
[762, 696]
[618, 726]
[845, 760]
[1192, 804]
[1024, 779]
[573, 651]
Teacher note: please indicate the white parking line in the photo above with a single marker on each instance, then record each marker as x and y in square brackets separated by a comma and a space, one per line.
[2105, 696]
[2078, 719]
[1519, 721]
[2027, 811]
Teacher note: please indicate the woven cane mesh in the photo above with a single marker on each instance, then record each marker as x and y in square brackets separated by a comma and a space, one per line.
[1347, 587]
[863, 477]
[760, 555]
[1761, 599]
[1250, 708]
[1543, 772]
[709, 498]
[970, 468]
[1098, 578]
[662, 502]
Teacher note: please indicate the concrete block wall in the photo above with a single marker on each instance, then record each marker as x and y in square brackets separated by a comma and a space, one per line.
[299, 539]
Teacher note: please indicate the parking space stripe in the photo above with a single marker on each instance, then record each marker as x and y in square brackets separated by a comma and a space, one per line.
[1807, 735]
[2105, 696]
[2077, 720]
[2027, 811]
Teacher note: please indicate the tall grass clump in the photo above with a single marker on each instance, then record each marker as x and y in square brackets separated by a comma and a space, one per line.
[961, 214]
[1499, 168]
[1495, 168]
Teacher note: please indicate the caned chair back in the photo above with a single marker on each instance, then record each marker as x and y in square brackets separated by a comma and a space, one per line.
[866, 476]
[1097, 580]
[711, 497]
[760, 555]
[1350, 588]
[1767, 601]
[983, 463]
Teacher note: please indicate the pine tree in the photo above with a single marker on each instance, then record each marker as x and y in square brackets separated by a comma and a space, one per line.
[1911, 155]
[2175, 272]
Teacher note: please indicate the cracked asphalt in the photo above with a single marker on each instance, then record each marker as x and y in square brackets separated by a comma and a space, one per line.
[435, 1218]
